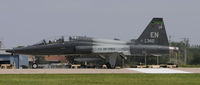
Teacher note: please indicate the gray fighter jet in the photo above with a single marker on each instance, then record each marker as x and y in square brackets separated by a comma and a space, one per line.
[152, 42]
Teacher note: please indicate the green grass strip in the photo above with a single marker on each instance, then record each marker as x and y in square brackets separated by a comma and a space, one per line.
[100, 79]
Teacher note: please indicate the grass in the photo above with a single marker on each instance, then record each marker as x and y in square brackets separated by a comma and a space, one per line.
[100, 79]
[190, 66]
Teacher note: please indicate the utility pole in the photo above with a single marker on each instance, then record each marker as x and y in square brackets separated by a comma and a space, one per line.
[0, 44]
[157, 60]
[145, 56]
[145, 59]
[170, 53]
[186, 43]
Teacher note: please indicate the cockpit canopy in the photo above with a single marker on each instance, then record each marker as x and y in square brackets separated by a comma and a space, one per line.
[62, 39]
[80, 38]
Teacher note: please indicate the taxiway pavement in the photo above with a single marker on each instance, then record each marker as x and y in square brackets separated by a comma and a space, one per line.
[102, 71]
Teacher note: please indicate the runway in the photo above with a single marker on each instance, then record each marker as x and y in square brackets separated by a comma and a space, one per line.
[158, 70]
[103, 71]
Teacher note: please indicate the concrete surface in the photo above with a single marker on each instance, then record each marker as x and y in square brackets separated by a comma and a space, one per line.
[64, 71]
[100, 71]
[158, 70]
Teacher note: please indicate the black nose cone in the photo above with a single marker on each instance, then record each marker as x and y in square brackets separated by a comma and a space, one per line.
[10, 51]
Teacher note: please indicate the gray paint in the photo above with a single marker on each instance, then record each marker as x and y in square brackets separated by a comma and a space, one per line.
[86, 45]
[155, 33]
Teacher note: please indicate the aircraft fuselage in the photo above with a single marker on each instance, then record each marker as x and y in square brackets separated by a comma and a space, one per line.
[78, 47]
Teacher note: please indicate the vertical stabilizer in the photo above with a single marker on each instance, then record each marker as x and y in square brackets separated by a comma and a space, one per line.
[154, 34]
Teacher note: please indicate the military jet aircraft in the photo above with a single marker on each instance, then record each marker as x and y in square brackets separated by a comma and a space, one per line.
[152, 42]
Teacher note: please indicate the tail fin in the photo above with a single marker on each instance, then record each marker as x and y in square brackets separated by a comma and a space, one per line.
[154, 34]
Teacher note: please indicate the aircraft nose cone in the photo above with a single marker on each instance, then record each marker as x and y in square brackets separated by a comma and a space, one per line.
[14, 51]
[18, 50]
[10, 51]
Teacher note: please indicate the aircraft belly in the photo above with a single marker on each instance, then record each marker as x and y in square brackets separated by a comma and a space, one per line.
[83, 49]
[149, 50]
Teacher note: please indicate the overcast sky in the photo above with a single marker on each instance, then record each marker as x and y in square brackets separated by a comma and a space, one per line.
[25, 22]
